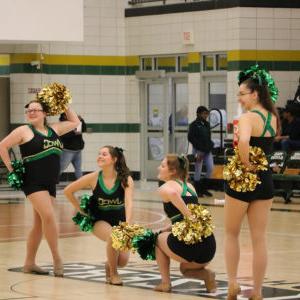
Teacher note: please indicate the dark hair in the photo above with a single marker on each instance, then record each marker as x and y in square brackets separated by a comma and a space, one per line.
[263, 98]
[44, 108]
[201, 109]
[179, 164]
[292, 110]
[123, 171]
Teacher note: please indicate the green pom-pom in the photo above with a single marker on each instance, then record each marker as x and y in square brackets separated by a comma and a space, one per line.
[145, 244]
[15, 178]
[18, 166]
[85, 223]
[85, 203]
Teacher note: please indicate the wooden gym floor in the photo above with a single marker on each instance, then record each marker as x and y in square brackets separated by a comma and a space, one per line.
[84, 255]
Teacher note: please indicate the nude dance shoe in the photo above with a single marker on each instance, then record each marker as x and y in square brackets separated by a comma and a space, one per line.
[34, 269]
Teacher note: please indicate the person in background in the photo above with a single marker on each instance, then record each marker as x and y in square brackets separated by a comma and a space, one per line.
[297, 94]
[199, 135]
[289, 140]
[73, 146]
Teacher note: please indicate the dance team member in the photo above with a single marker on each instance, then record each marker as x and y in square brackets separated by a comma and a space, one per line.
[40, 148]
[110, 203]
[257, 127]
[176, 193]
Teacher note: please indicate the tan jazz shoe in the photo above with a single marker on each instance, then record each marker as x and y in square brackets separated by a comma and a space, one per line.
[107, 273]
[58, 269]
[256, 298]
[115, 280]
[34, 269]
[233, 292]
[210, 282]
[163, 287]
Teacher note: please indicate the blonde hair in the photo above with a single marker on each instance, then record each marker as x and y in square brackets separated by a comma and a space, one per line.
[179, 164]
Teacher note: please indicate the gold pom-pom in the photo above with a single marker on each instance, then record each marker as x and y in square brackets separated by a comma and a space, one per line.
[123, 234]
[55, 97]
[236, 174]
[193, 229]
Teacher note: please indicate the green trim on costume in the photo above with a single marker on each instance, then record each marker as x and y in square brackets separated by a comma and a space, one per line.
[49, 131]
[45, 153]
[176, 218]
[185, 189]
[268, 126]
[104, 188]
[111, 207]
[267, 123]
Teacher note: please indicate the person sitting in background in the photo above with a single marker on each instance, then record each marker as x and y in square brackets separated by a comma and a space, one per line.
[289, 140]
[297, 94]
[73, 145]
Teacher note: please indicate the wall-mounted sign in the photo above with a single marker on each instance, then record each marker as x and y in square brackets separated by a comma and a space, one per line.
[188, 37]
[33, 90]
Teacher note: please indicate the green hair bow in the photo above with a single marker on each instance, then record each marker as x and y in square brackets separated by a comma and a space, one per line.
[260, 75]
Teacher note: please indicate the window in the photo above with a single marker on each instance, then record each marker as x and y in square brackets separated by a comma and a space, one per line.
[214, 62]
[176, 63]
[146, 64]
[208, 63]
[221, 62]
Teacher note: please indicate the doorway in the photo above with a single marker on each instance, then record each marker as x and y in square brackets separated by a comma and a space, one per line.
[164, 108]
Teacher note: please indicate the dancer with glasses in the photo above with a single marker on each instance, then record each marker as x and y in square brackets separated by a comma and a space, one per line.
[257, 127]
[40, 148]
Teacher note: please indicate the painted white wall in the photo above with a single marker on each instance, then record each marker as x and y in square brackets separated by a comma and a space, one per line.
[115, 99]
[41, 20]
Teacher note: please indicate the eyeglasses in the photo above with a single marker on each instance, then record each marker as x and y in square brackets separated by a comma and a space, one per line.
[28, 111]
[243, 94]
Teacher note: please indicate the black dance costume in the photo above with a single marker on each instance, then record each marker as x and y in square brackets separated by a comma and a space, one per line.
[41, 161]
[201, 252]
[108, 205]
[265, 190]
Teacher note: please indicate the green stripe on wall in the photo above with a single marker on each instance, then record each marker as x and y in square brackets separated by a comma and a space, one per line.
[194, 68]
[269, 65]
[114, 128]
[4, 70]
[75, 69]
[105, 127]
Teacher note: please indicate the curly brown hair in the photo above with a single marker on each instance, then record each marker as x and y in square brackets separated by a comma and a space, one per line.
[120, 165]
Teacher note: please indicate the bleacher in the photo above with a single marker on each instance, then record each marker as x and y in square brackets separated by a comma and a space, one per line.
[285, 167]
[286, 174]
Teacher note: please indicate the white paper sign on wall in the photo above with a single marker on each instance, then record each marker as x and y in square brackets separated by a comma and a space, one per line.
[188, 37]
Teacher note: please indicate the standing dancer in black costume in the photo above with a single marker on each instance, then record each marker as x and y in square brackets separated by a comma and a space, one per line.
[110, 203]
[257, 127]
[176, 193]
[40, 149]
